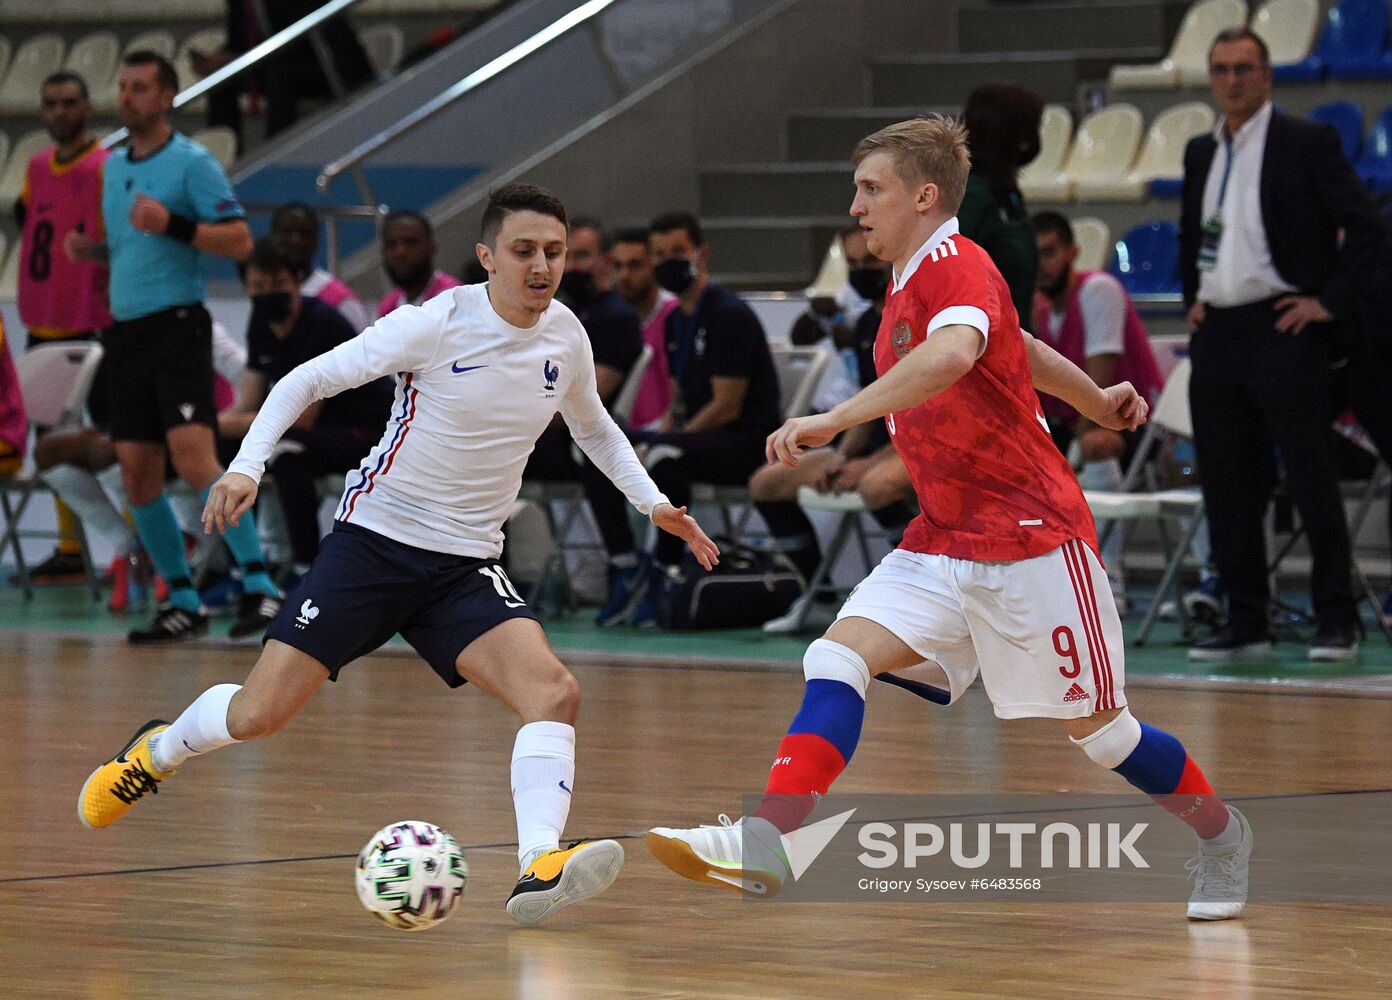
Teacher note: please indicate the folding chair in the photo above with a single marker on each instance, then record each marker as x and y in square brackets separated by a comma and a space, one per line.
[799, 370]
[55, 380]
[1133, 503]
[851, 526]
[571, 496]
[1378, 487]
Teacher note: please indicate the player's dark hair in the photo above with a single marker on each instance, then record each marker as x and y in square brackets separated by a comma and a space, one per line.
[165, 73]
[1052, 222]
[66, 76]
[1230, 35]
[271, 255]
[606, 243]
[518, 198]
[1001, 118]
[409, 215]
[632, 234]
[668, 221]
[287, 212]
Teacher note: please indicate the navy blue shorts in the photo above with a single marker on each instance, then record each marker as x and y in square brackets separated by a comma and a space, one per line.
[363, 588]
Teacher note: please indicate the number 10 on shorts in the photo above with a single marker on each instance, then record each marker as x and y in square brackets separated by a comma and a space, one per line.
[505, 589]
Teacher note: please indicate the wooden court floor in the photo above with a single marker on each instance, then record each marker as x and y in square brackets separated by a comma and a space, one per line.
[236, 879]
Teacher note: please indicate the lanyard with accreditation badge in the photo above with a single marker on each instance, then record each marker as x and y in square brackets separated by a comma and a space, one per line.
[1213, 227]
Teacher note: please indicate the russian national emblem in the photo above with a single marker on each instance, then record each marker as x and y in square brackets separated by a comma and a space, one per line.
[901, 338]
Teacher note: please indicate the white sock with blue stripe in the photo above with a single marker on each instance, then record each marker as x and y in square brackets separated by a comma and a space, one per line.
[543, 774]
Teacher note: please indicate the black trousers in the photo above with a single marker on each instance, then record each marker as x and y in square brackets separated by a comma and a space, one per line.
[552, 462]
[727, 458]
[1255, 392]
[312, 453]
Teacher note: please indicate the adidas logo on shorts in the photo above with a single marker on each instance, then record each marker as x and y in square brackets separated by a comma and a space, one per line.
[1075, 693]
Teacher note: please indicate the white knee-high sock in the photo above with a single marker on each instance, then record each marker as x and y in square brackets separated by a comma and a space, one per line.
[543, 774]
[201, 727]
[82, 492]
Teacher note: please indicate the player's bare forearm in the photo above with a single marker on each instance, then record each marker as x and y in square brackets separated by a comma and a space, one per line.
[1056, 375]
[932, 367]
[231, 239]
[1117, 407]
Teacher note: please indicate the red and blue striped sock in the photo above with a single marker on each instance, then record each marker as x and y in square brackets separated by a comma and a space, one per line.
[1157, 764]
[823, 735]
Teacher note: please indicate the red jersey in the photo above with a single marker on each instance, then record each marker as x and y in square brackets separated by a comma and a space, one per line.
[991, 484]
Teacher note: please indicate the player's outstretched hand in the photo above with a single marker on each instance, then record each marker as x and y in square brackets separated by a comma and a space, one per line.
[1123, 408]
[231, 497]
[787, 444]
[676, 521]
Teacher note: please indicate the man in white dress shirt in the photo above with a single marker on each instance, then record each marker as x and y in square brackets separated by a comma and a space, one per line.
[480, 372]
[1277, 238]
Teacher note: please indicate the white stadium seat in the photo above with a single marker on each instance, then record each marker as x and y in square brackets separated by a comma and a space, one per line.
[1288, 28]
[1094, 242]
[5, 50]
[36, 59]
[219, 140]
[1187, 63]
[384, 44]
[1103, 150]
[12, 179]
[833, 274]
[9, 273]
[1038, 180]
[1162, 156]
[94, 58]
[207, 41]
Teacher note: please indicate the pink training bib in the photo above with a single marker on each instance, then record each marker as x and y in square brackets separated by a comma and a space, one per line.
[54, 292]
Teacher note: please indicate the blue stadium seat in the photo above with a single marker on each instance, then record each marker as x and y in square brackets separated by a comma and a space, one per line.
[1375, 165]
[1350, 46]
[1147, 259]
[1347, 119]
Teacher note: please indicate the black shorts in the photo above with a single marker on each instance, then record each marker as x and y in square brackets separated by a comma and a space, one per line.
[363, 588]
[159, 373]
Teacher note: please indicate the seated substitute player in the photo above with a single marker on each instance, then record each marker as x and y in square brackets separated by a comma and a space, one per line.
[480, 371]
[999, 573]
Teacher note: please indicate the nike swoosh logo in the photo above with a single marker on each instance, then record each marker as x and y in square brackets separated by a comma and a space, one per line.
[563, 787]
[470, 368]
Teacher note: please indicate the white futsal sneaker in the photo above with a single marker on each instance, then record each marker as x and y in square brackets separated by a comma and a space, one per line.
[746, 855]
[1220, 878]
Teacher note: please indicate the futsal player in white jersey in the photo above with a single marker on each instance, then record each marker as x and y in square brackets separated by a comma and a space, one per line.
[481, 370]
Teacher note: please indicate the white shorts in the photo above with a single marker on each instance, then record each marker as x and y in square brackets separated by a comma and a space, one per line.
[1043, 633]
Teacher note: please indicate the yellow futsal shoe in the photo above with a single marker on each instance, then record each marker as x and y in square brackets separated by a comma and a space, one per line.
[115, 786]
[561, 877]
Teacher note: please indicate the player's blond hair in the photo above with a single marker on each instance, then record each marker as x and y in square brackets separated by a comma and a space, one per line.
[928, 150]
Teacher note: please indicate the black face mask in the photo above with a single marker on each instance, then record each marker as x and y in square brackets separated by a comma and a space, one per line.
[271, 307]
[870, 283]
[577, 289]
[675, 274]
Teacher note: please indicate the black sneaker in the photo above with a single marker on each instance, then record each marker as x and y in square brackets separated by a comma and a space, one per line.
[59, 568]
[1227, 645]
[1334, 644]
[255, 614]
[171, 623]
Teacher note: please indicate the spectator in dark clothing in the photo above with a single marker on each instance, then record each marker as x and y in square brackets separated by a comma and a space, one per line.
[286, 330]
[288, 76]
[1002, 122]
[1278, 238]
[616, 340]
[726, 399]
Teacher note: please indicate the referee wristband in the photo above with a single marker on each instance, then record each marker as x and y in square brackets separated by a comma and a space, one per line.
[181, 228]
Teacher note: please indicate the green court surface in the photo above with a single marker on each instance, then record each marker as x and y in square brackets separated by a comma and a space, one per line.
[72, 611]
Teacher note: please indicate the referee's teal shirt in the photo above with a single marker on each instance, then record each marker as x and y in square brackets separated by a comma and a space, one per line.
[151, 273]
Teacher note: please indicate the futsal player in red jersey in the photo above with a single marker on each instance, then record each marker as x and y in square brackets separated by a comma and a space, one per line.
[999, 574]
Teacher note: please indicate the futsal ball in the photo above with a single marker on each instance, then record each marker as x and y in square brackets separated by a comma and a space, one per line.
[411, 875]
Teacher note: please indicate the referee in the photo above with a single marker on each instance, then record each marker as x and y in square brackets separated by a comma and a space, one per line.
[165, 200]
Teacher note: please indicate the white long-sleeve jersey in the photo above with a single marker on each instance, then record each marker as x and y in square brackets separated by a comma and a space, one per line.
[473, 394]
